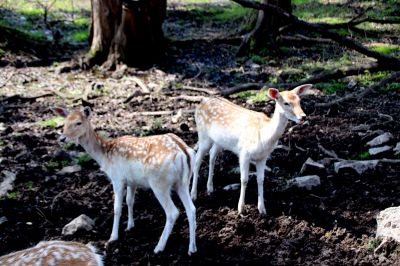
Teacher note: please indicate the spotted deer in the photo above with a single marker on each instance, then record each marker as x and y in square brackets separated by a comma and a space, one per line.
[251, 135]
[50, 253]
[161, 162]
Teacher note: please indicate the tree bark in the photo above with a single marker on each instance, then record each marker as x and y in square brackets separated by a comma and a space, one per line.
[126, 31]
[266, 29]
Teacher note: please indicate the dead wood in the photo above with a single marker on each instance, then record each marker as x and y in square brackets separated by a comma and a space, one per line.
[208, 91]
[155, 113]
[362, 93]
[188, 98]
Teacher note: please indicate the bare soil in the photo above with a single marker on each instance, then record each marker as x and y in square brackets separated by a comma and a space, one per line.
[333, 224]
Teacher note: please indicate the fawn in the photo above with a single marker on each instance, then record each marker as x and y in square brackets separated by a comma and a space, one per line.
[251, 135]
[50, 253]
[161, 162]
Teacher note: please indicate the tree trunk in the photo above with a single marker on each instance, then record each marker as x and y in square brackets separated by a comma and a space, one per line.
[266, 28]
[125, 31]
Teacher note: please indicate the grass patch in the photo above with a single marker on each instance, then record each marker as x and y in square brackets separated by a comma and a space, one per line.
[386, 48]
[54, 121]
[235, 11]
[80, 36]
[331, 88]
[363, 156]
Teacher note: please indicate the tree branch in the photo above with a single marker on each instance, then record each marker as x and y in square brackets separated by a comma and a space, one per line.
[345, 41]
[360, 94]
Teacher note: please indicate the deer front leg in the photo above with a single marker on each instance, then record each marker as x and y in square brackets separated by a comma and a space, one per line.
[130, 201]
[244, 161]
[204, 146]
[260, 184]
[118, 188]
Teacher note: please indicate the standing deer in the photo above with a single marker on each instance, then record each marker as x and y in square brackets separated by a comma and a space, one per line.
[50, 253]
[162, 163]
[251, 135]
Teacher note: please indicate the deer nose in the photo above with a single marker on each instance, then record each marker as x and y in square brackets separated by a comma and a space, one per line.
[301, 117]
[62, 138]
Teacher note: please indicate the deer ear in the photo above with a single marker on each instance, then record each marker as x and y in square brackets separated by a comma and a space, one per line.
[299, 90]
[87, 112]
[60, 111]
[273, 93]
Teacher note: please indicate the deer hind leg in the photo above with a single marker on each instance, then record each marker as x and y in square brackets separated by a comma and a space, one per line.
[260, 184]
[244, 162]
[204, 146]
[215, 149]
[164, 197]
[130, 201]
[183, 193]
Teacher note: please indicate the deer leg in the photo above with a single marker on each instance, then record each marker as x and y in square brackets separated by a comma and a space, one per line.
[204, 146]
[260, 185]
[130, 201]
[164, 197]
[244, 161]
[215, 149]
[183, 193]
[118, 188]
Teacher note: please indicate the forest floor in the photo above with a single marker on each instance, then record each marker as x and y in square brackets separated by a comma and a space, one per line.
[332, 224]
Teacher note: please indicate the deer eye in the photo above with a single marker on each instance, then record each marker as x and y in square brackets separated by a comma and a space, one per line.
[78, 123]
[287, 104]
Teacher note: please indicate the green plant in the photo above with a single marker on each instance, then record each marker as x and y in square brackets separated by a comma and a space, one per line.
[330, 88]
[157, 123]
[80, 36]
[54, 121]
[363, 155]
[83, 158]
[373, 244]
[29, 185]
[12, 195]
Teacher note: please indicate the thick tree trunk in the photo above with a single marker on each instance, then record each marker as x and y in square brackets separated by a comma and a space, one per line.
[266, 28]
[125, 31]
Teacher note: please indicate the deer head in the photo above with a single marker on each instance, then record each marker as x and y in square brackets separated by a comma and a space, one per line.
[288, 102]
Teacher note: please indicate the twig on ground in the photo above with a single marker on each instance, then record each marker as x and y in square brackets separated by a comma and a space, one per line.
[188, 98]
[8, 79]
[208, 91]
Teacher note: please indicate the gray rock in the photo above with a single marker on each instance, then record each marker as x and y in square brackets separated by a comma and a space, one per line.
[381, 139]
[312, 167]
[388, 222]
[70, 169]
[359, 166]
[7, 182]
[397, 148]
[82, 222]
[307, 182]
[379, 150]
[235, 186]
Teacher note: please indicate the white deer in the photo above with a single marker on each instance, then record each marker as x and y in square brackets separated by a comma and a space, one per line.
[251, 135]
[50, 253]
[161, 162]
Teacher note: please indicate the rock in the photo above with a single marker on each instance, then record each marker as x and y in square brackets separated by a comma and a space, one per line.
[312, 167]
[63, 69]
[388, 222]
[397, 148]
[70, 169]
[6, 182]
[379, 150]
[82, 222]
[359, 166]
[3, 220]
[381, 139]
[175, 119]
[307, 181]
[235, 186]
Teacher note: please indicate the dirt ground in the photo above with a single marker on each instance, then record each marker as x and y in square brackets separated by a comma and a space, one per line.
[333, 224]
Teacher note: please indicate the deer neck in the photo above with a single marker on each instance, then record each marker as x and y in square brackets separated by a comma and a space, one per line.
[273, 130]
[93, 145]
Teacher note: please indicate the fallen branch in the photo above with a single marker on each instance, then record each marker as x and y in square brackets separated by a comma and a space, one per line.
[141, 84]
[188, 98]
[7, 79]
[360, 94]
[155, 113]
[345, 41]
[211, 92]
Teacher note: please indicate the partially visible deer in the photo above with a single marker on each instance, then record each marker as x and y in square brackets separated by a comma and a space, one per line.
[162, 163]
[50, 253]
[251, 135]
